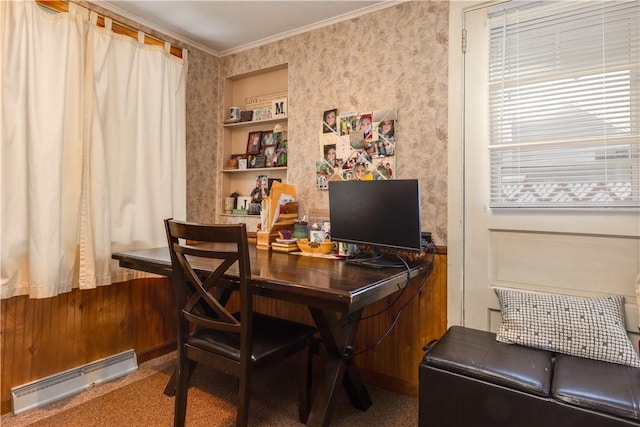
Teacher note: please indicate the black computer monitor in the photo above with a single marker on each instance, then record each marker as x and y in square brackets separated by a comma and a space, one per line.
[379, 214]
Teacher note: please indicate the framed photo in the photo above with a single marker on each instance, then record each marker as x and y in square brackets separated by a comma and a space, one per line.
[270, 154]
[261, 161]
[257, 161]
[267, 139]
[253, 143]
[237, 157]
[251, 161]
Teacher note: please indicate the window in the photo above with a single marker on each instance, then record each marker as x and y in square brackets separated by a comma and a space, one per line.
[564, 104]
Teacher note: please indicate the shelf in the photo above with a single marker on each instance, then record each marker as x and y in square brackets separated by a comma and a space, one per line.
[255, 122]
[241, 215]
[277, 168]
[249, 91]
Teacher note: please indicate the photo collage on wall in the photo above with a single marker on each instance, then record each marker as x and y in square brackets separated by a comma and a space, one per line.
[356, 146]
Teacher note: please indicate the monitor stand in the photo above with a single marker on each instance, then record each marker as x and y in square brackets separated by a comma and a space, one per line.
[375, 260]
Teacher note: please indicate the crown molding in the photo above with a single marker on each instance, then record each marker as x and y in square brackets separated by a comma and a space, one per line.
[191, 43]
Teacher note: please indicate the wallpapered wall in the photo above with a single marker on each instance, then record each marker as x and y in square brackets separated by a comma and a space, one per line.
[202, 136]
[393, 58]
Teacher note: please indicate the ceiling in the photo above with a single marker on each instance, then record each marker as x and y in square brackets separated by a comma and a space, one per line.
[225, 26]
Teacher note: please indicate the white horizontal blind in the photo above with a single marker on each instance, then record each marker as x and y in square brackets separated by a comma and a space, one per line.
[564, 104]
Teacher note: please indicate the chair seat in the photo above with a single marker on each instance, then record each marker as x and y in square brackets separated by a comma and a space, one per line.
[271, 335]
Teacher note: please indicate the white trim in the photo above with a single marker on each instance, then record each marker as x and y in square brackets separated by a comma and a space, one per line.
[455, 177]
[340, 18]
[320, 24]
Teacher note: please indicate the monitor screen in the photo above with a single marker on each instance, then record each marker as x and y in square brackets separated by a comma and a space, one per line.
[383, 213]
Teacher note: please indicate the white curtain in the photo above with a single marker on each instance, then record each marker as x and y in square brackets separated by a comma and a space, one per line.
[90, 162]
[137, 146]
[41, 105]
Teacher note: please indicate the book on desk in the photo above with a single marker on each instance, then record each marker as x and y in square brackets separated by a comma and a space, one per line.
[285, 246]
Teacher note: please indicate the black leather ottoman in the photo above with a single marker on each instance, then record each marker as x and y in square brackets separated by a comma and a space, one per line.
[469, 379]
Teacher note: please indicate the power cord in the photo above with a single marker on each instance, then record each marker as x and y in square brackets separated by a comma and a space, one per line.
[349, 353]
[401, 287]
[430, 248]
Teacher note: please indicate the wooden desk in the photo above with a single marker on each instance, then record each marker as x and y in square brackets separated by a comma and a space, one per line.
[335, 294]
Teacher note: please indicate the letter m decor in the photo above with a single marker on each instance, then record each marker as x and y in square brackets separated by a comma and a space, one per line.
[279, 107]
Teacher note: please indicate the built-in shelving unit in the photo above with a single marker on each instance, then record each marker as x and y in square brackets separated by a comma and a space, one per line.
[237, 91]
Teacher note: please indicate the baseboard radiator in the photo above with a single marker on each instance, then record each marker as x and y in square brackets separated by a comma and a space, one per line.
[58, 386]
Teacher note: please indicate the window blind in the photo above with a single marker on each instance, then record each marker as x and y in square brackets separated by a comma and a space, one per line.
[564, 104]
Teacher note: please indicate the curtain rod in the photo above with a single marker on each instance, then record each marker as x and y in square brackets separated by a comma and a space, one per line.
[118, 28]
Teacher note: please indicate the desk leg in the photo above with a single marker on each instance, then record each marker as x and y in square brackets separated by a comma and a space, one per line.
[170, 388]
[338, 337]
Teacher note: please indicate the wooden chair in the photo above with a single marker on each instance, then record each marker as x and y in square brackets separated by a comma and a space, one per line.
[237, 343]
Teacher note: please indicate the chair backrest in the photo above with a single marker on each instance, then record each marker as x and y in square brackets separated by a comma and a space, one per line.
[201, 256]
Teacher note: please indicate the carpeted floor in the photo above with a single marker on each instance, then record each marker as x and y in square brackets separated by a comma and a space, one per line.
[139, 401]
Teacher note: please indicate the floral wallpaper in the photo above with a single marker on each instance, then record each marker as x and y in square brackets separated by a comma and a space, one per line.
[393, 58]
[202, 136]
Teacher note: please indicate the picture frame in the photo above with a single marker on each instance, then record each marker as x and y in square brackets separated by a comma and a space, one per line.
[251, 161]
[260, 161]
[234, 160]
[253, 142]
[267, 139]
[270, 155]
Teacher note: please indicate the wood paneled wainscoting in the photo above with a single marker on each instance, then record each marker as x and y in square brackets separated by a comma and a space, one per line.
[41, 337]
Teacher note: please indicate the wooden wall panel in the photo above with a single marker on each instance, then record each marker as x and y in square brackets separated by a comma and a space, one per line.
[393, 364]
[41, 337]
[46, 336]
